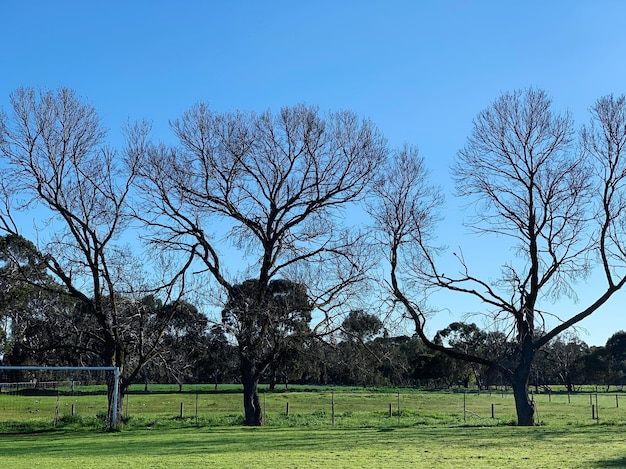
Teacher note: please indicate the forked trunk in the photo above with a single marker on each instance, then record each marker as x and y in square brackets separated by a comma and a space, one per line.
[253, 414]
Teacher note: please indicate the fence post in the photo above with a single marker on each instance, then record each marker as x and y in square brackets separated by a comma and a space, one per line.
[56, 410]
[287, 409]
[398, 407]
[616, 402]
[464, 406]
[492, 412]
[182, 409]
[390, 410]
[332, 400]
[196, 408]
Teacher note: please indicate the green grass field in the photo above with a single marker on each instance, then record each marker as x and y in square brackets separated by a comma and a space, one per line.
[599, 446]
[432, 431]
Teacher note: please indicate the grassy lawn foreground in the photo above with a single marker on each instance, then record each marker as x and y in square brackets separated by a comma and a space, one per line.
[566, 447]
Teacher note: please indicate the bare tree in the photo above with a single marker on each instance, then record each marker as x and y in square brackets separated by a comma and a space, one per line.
[55, 161]
[522, 173]
[279, 185]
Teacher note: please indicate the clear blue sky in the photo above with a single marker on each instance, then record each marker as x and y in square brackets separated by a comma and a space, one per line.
[420, 70]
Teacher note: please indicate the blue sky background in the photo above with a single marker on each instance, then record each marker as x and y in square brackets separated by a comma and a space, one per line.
[420, 70]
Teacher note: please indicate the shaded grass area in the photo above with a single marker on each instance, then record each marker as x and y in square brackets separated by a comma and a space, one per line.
[422, 446]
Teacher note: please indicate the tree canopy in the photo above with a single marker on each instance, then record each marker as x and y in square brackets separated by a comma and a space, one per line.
[527, 181]
[276, 199]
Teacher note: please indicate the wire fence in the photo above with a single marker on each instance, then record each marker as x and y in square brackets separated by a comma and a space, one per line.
[321, 407]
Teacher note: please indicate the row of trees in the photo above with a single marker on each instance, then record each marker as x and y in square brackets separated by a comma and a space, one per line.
[275, 192]
[191, 350]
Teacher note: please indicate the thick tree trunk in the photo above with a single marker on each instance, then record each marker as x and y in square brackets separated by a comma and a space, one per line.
[253, 414]
[519, 380]
[523, 405]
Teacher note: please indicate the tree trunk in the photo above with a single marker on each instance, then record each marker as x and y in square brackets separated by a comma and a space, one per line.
[519, 380]
[146, 380]
[523, 405]
[272, 380]
[253, 415]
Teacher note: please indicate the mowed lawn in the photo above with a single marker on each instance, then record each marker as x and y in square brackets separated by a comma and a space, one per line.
[438, 447]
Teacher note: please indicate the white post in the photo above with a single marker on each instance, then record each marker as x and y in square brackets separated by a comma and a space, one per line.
[116, 384]
[115, 369]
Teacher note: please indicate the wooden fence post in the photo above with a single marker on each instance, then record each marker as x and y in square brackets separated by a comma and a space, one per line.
[398, 407]
[56, 410]
[464, 405]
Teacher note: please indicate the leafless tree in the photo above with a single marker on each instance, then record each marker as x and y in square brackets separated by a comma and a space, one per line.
[280, 186]
[528, 183]
[55, 161]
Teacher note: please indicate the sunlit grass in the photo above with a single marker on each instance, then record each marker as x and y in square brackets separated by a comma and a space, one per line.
[434, 429]
[311, 408]
[421, 446]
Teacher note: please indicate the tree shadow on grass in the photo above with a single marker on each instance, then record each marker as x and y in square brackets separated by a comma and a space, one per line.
[607, 463]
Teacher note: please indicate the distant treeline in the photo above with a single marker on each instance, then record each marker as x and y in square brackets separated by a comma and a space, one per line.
[360, 353]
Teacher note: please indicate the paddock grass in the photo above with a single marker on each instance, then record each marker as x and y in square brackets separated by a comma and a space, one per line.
[434, 429]
[311, 407]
